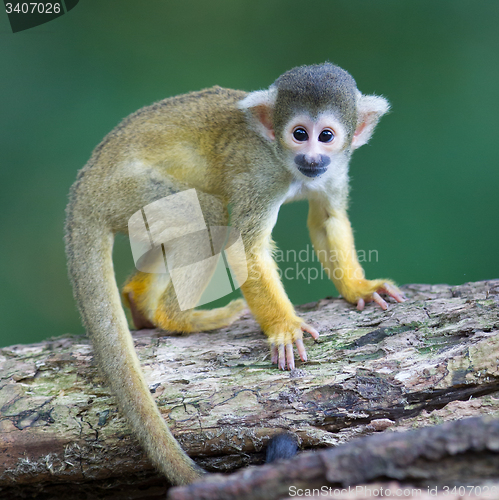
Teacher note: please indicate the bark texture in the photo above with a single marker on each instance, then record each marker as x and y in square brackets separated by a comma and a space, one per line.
[432, 359]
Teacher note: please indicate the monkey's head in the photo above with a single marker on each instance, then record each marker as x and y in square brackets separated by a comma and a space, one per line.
[315, 117]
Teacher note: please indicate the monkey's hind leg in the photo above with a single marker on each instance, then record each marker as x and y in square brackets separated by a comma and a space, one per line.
[153, 303]
[206, 319]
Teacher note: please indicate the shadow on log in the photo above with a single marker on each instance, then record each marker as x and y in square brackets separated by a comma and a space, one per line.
[432, 359]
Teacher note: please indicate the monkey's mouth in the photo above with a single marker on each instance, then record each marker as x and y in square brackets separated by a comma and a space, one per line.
[312, 168]
[312, 171]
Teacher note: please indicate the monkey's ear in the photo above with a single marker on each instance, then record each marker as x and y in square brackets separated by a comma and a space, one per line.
[370, 109]
[259, 107]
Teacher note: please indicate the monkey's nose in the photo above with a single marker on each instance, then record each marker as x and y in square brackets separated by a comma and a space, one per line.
[313, 162]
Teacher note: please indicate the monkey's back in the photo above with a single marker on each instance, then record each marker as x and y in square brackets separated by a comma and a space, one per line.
[187, 138]
[196, 117]
[181, 136]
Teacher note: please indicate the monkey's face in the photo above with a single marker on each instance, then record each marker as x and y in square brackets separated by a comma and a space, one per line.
[314, 143]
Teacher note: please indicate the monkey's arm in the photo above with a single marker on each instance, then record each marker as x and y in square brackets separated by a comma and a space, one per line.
[272, 309]
[333, 241]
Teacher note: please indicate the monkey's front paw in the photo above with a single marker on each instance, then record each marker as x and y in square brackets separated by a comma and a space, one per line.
[282, 337]
[374, 288]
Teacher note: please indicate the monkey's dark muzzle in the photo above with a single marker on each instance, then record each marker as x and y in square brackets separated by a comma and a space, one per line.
[314, 167]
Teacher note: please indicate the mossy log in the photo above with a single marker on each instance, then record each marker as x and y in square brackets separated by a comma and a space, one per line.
[431, 359]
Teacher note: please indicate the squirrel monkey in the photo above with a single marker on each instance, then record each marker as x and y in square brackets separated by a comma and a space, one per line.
[252, 151]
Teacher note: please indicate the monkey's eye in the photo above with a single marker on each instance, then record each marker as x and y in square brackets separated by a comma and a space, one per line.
[300, 134]
[326, 136]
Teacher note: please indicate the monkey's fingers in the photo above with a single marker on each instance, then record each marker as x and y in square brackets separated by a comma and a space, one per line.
[301, 349]
[387, 288]
[381, 302]
[281, 362]
[310, 329]
[280, 354]
[393, 292]
[290, 357]
[299, 342]
[274, 354]
[285, 356]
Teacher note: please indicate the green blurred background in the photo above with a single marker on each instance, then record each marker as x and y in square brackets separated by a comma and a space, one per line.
[424, 191]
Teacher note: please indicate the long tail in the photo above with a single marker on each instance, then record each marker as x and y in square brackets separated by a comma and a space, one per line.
[89, 252]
